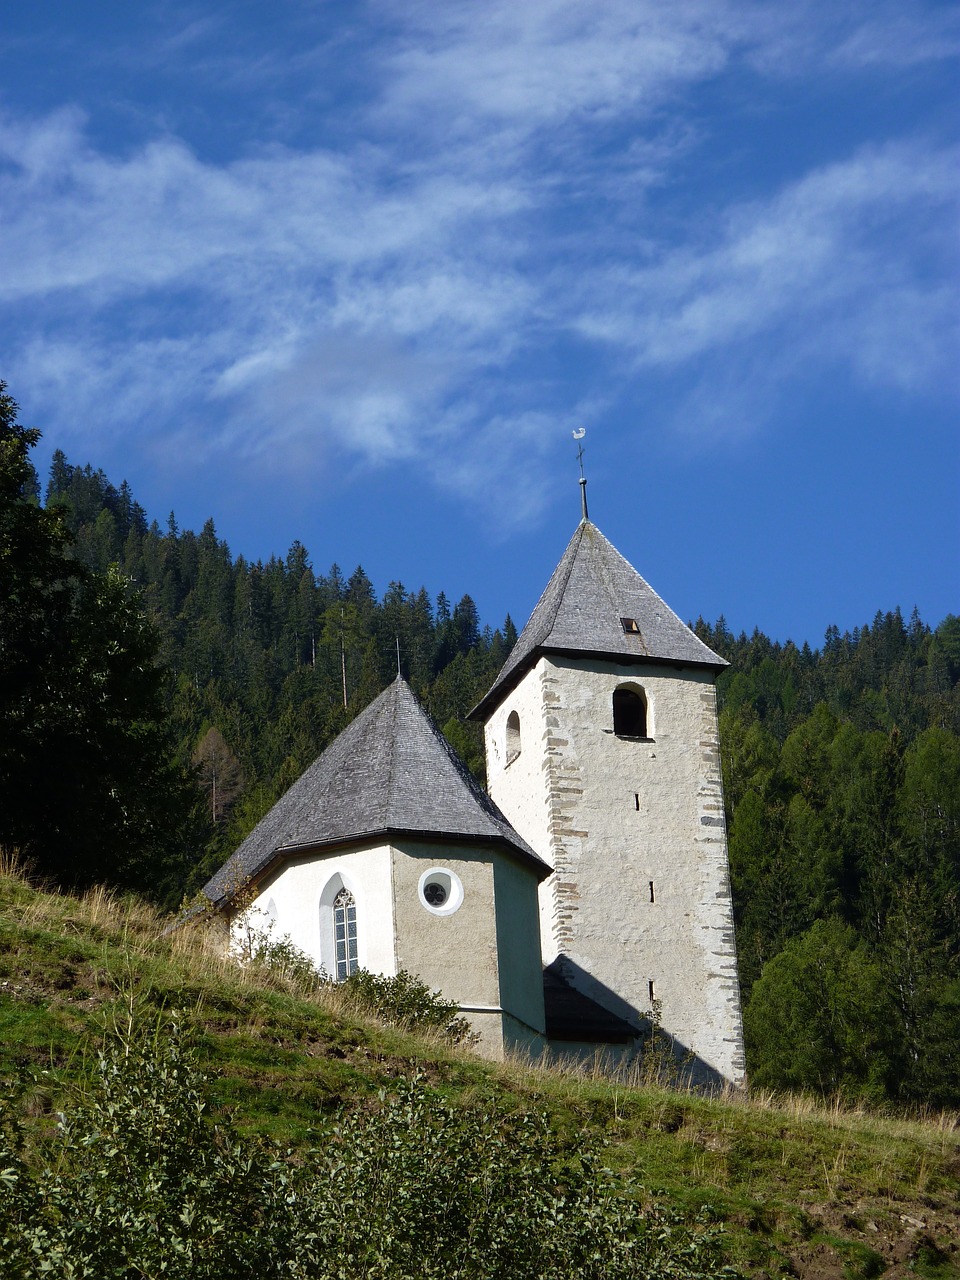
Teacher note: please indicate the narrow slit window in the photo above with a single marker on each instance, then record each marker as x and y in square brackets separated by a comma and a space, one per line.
[652, 895]
[513, 737]
[345, 934]
[629, 713]
[651, 991]
[636, 801]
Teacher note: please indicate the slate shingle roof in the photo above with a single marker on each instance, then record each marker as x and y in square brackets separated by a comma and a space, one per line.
[581, 610]
[391, 772]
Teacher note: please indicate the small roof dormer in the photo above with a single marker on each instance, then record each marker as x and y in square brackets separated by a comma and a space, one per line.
[597, 604]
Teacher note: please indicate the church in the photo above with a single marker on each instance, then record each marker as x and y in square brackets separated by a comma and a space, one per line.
[587, 888]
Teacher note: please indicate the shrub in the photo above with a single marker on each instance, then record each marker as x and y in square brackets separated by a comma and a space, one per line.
[284, 958]
[141, 1182]
[428, 1188]
[406, 1001]
[252, 942]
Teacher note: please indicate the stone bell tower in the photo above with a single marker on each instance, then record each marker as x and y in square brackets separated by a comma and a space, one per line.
[602, 751]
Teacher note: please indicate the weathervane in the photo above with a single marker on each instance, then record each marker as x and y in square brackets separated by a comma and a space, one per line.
[578, 435]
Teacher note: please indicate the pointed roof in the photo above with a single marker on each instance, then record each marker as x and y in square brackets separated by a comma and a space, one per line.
[391, 772]
[591, 605]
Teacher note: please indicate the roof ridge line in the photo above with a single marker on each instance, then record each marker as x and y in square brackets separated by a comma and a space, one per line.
[395, 729]
[361, 785]
[551, 617]
[566, 578]
[607, 580]
[607, 586]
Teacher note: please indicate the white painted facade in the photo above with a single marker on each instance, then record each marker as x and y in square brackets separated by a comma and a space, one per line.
[639, 903]
[295, 901]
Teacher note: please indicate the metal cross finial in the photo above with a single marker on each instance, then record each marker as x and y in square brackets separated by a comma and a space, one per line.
[578, 435]
[398, 658]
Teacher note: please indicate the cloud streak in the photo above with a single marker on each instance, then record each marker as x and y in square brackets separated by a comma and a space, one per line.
[818, 248]
[398, 294]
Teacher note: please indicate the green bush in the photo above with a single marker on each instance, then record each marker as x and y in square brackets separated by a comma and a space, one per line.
[140, 1181]
[282, 957]
[253, 943]
[403, 1000]
[426, 1188]
[406, 1001]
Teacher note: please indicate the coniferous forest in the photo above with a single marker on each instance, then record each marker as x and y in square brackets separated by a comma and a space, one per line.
[157, 694]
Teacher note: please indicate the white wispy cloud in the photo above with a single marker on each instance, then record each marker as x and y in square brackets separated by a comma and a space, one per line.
[832, 264]
[397, 294]
[529, 66]
[811, 39]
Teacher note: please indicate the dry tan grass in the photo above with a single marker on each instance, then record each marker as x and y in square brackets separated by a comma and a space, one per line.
[11, 863]
[837, 1113]
[198, 948]
[840, 1113]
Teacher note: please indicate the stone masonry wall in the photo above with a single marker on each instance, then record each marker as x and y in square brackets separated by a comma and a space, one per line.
[635, 833]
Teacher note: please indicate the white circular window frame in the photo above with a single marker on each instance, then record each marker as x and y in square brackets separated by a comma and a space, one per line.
[450, 881]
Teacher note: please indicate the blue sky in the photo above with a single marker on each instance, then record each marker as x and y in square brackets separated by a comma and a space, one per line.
[353, 273]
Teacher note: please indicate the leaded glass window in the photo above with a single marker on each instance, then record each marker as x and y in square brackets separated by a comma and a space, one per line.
[345, 933]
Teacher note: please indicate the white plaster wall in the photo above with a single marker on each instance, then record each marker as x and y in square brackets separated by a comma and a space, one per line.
[460, 955]
[518, 943]
[574, 802]
[485, 956]
[522, 787]
[494, 1039]
[454, 954]
[291, 897]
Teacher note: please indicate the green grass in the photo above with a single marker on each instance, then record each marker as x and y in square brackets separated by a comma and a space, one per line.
[802, 1188]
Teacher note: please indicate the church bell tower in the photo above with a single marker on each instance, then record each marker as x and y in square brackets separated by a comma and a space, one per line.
[602, 751]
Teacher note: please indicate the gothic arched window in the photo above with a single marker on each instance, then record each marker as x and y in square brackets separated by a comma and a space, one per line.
[345, 934]
[629, 713]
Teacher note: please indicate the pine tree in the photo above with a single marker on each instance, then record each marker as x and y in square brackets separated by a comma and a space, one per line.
[89, 784]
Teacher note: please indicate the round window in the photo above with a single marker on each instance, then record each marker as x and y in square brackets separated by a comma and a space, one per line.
[441, 891]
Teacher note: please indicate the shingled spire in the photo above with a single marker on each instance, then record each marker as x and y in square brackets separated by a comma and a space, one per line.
[596, 603]
[390, 773]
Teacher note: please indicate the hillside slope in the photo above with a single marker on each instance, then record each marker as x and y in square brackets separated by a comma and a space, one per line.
[800, 1190]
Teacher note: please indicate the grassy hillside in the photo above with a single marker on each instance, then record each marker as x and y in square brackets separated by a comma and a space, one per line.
[800, 1189]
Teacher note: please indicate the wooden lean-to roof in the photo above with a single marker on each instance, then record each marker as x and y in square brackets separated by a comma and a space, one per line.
[391, 773]
[597, 604]
[571, 1015]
